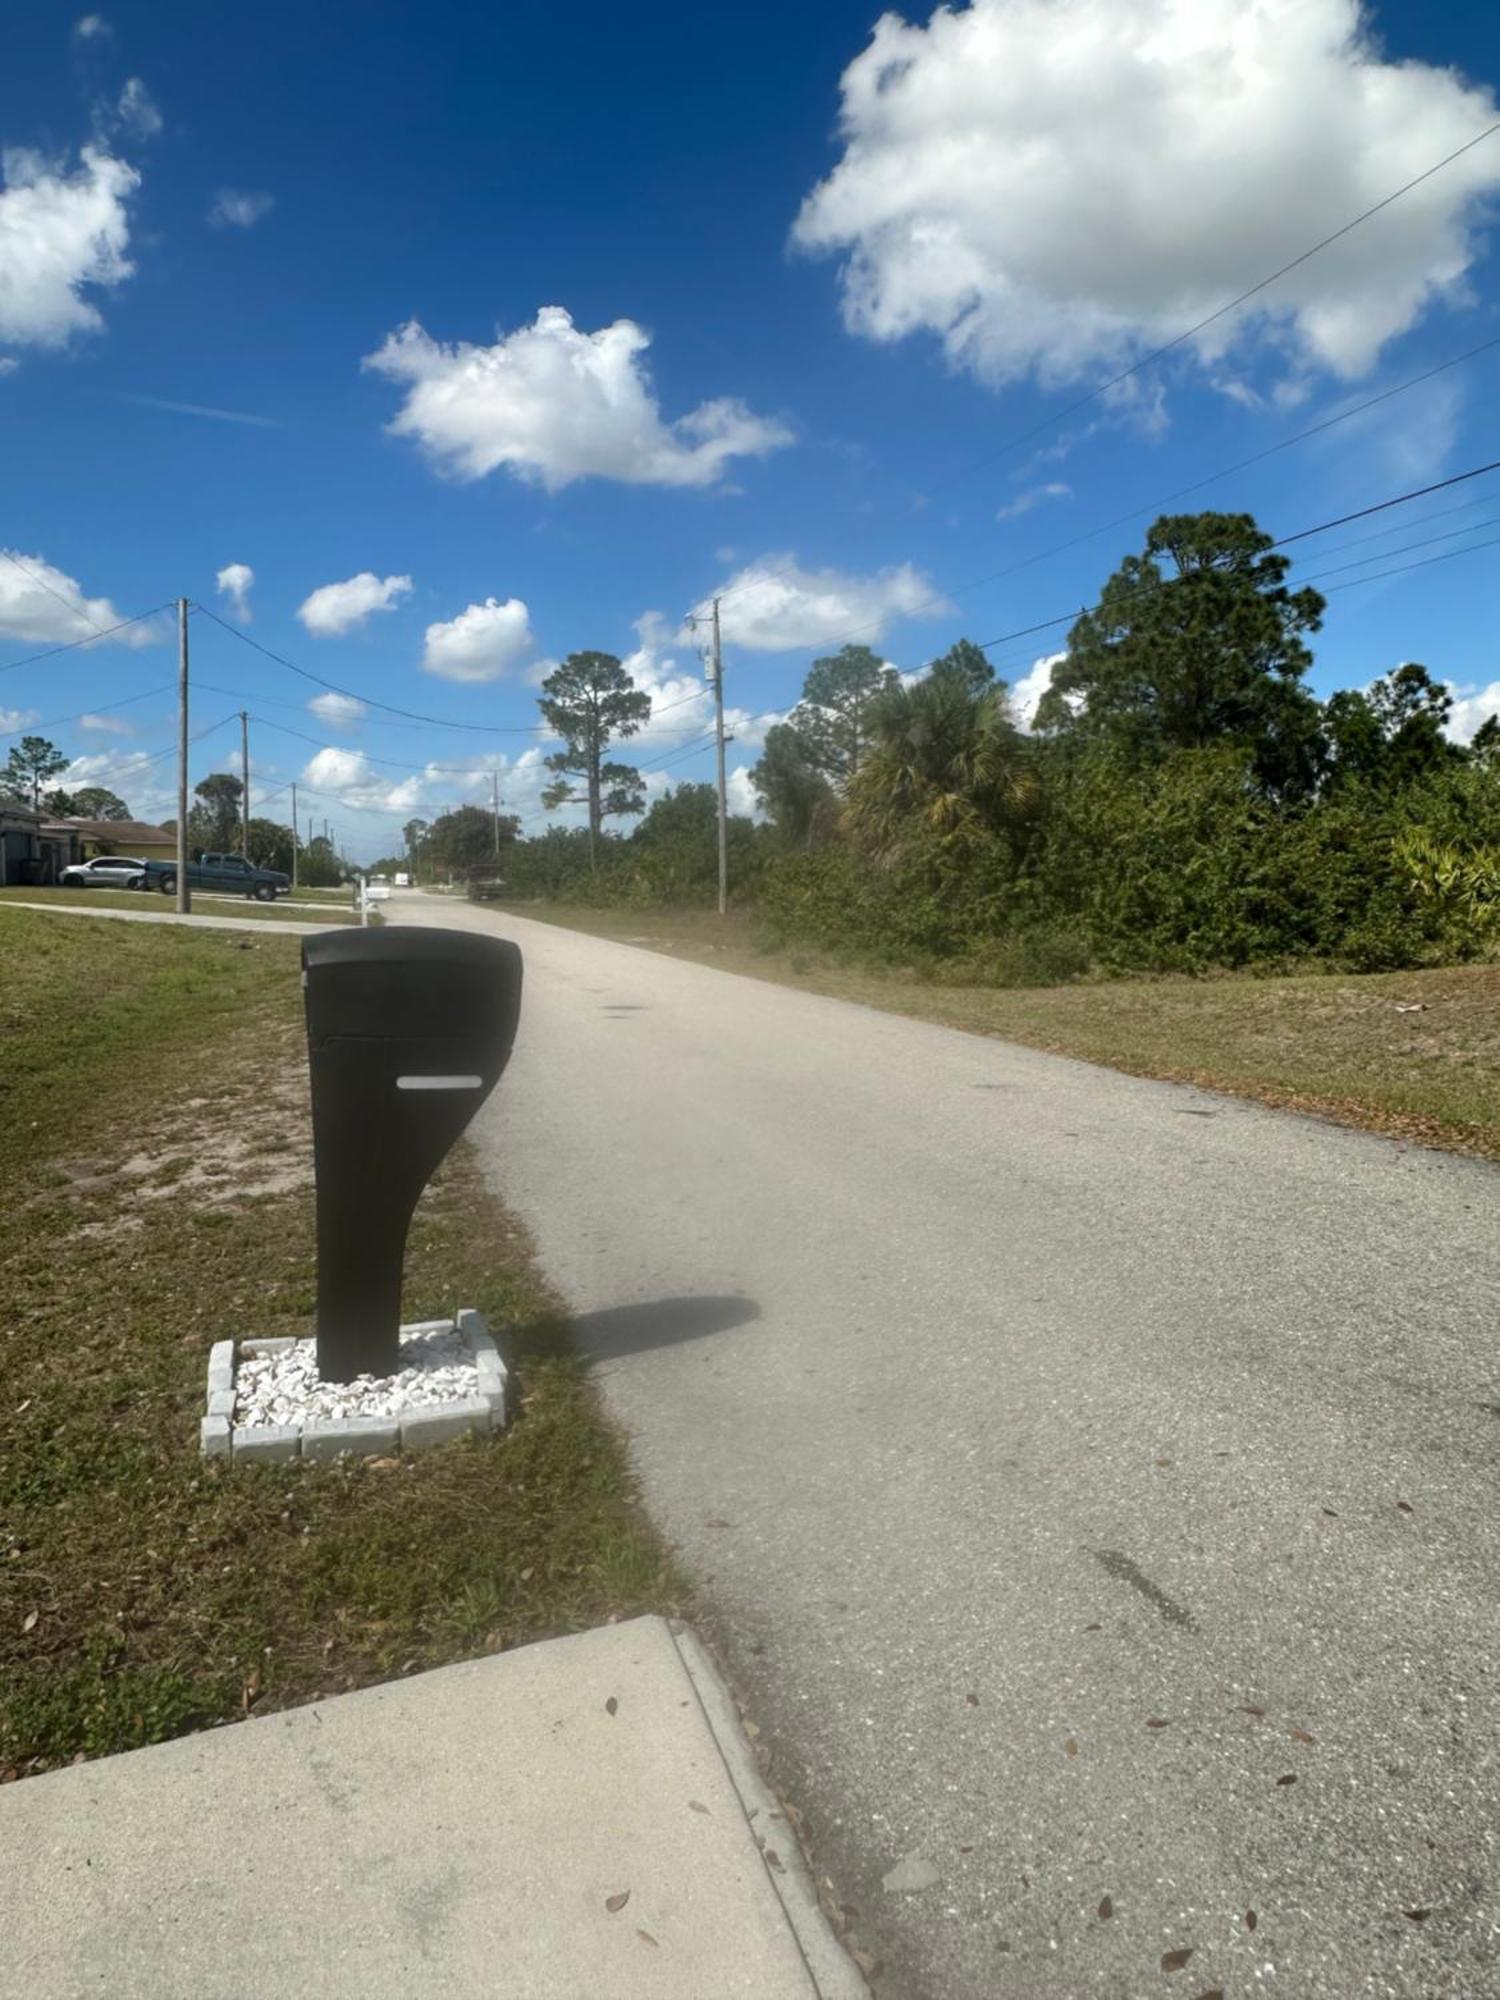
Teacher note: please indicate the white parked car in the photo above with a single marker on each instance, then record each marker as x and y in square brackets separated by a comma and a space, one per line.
[105, 871]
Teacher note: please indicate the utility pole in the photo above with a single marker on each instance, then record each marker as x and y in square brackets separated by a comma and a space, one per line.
[719, 749]
[294, 833]
[184, 894]
[495, 808]
[244, 785]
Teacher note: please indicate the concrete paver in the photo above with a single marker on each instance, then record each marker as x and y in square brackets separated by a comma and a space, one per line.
[462, 1833]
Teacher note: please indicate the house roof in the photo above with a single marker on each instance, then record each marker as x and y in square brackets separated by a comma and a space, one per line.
[119, 832]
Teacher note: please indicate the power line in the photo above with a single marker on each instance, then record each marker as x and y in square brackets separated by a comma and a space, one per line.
[387, 708]
[72, 645]
[1220, 312]
[1398, 570]
[1167, 347]
[103, 708]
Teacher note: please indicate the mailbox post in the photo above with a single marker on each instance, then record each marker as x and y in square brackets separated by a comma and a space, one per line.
[408, 1032]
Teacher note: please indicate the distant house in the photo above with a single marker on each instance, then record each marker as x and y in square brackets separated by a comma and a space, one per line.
[30, 854]
[87, 837]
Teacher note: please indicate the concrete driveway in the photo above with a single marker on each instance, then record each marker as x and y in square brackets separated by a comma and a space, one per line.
[1092, 1481]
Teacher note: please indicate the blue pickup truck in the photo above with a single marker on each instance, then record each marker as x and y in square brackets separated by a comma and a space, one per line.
[229, 874]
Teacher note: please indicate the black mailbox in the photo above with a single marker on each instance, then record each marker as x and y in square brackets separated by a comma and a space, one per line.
[408, 1032]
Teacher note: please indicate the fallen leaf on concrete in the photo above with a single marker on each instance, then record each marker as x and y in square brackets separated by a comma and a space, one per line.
[971, 1700]
[646, 1938]
[1251, 1920]
[696, 1805]
[1174, 1961]
[1070, 1748]
[774, 1860]
[1164, 1461]
[1419, 1916]
[1404, 1506]
[1093, 1628]
[1157, 1722]
[1106, 1908]
[1258, 1713]
[611, 1706]
[1289, 1779]
[614, 1904]
[1213, 1993]
[1301, 1736]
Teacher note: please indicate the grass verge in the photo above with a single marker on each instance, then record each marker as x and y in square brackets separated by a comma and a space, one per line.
[158, 1159]
[1412, 1054]
[204, 903]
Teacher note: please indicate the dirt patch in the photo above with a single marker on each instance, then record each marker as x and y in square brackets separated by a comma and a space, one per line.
[264, 1148]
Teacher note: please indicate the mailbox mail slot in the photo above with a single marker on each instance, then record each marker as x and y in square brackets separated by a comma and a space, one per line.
[408, 1032]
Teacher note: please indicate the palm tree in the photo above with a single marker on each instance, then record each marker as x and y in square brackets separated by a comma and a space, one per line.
[946, 761]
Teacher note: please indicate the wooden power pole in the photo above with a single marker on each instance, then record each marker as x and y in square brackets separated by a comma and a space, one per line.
[184, 894]
[294, 833]
[718, 660]
[244, 784]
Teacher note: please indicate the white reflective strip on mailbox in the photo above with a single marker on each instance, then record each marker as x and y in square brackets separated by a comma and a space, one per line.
[438, 1082]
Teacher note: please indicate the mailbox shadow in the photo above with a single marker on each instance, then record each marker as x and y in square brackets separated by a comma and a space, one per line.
[620, 1330]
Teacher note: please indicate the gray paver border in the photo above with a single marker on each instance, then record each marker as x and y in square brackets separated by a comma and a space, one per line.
[322, 1439]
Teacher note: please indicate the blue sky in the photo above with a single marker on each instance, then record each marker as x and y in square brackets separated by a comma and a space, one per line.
[695, 300]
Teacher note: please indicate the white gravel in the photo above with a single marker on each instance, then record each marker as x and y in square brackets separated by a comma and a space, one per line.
[285, 1388]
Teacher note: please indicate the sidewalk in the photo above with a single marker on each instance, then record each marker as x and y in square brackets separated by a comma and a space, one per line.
[464, 1832]
[290, 928]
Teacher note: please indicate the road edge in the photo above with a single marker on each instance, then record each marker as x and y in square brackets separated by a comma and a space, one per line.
[833, 1972]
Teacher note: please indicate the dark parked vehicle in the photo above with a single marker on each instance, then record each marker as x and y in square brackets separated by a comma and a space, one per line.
[230, 874]
[105, 871]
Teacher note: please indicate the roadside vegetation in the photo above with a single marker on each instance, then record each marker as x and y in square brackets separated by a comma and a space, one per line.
[156, 1145]
[1180, 803]
[1179, 809]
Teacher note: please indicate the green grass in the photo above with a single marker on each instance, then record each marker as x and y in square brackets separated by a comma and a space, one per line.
[1332, 1044]
[205, 903]
[156, 1137]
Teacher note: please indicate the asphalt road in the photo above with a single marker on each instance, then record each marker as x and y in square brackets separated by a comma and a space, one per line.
[1092, 1481]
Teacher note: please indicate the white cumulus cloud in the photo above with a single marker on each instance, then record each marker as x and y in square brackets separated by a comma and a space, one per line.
[1026, 694]
[61, 234]
[348, 775]
[44, 606]
[106, 725]
[342, 711]
[553, 403]
[234, 208]
[481, 643]
[92, 28]
[1472, 706]
[335, 608]
[1053, 188]
[776, 606]
[234, 582]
